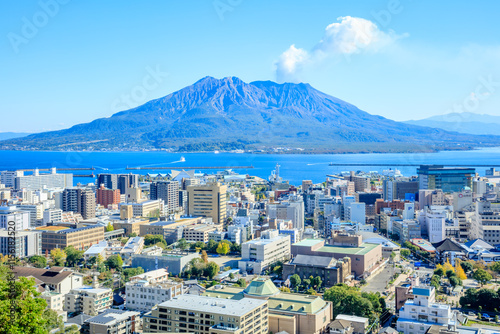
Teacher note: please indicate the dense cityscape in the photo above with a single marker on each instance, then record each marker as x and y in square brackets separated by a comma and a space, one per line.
[222, 252]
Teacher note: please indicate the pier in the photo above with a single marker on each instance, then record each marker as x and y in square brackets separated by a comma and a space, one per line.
[410, 165]
[182, 167]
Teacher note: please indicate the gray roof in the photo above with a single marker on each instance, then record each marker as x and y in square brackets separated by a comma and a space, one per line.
[111, 316]
[213, 304]
[479, 243]
[314, 261]
[53, 275]
[79, 319]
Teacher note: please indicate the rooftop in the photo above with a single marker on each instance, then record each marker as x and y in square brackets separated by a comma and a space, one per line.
[351, 318]
[214, 305]
[308, 242]
[112, 316]
[361, 250]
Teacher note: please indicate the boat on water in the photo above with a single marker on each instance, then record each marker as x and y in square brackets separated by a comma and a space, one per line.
[216, 152]
[182, 159]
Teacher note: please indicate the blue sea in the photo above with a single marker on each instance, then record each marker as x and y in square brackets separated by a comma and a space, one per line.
[294, 167]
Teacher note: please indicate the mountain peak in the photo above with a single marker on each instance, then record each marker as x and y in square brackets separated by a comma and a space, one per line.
[230, 113]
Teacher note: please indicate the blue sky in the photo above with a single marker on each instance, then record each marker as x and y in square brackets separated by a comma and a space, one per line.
[399, 59]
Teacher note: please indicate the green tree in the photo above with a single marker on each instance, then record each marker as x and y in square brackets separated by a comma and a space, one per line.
[114, 262]
[454, 281]
[58, 256]
[295, 280]
[130, 272]
[53, 320]
[311, 291]
[231, 276]
[450, 273]
[482, 276]
[39, 261]
[109, 227]
[212, 246]
[306, 282]
[467, 266]
[211, 269]
[182, 244]
[73, 255]
[405, 252]
[317, 282]
[242, 282]
[439, 272]
[28, 308]
[132, 235]
[223, 248]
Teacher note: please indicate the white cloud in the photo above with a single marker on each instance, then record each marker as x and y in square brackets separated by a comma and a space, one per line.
[350, 35]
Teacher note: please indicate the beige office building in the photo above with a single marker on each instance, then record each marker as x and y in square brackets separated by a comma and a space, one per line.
[62, 237]
[208, 315]
[208, 200]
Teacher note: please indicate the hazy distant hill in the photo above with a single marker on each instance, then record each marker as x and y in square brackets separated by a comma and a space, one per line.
[478, 124]
[229, 113]
[10, 135]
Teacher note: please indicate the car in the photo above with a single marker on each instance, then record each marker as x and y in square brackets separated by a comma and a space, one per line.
[472, 314]
[485, 316]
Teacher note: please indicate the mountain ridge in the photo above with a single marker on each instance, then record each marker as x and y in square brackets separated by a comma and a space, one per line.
[229, 113]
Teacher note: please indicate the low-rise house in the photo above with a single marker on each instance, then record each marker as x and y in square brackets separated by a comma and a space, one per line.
[55, 279]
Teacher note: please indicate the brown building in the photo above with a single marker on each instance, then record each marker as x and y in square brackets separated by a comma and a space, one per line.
[330, 270]
[61, 237]
[106, 197]
[394, 205]
[79, 200]
[364, 256]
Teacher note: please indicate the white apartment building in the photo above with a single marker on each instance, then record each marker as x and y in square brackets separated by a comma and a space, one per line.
[27, 243]
[7, 177]
[12, 216]
[38, 181]
[421, 312]
[35, 211]
[356, 212]
[141, 295]
[292, 209]
[259, 253]
[88, 300]
[434, 220]
[52, 215]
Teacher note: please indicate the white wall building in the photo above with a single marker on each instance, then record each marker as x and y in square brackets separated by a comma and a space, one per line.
[141, 295]
[259, 253]
[418, 314]
[12, 216]
[292, 209]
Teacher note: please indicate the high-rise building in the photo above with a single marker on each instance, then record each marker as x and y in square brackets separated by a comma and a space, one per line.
[448, 179]
[22, 244]
[168, 191]
[292, 209]
[106, 197]
[208, 200]
[118, 181]
[37, 181]
[79, 200]
[62, 237]
[8, 177]
[399, 189]
[9, 214]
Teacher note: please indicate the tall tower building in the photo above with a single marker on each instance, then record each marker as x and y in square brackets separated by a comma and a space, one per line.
[208, 200]
[79, 200]
[168, 191]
